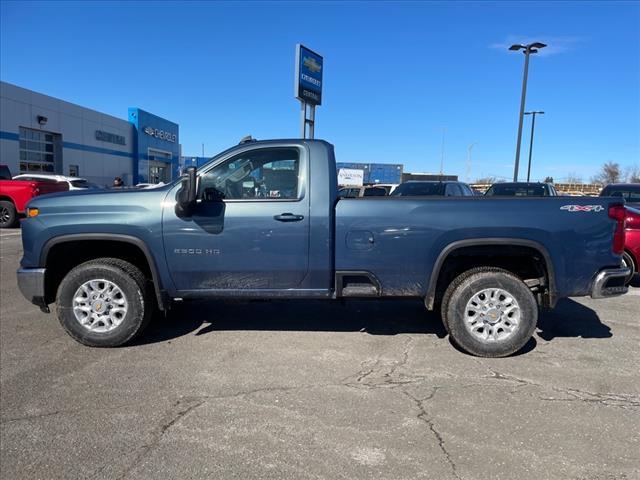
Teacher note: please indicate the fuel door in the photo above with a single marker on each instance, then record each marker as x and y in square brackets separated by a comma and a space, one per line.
[360, 240]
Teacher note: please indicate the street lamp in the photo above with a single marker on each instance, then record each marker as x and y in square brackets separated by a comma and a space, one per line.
[533, 126]
[527, 50]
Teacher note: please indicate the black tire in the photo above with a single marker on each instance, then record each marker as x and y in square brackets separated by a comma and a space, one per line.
[136, 289]
[8, 214]
[627, 261]
[463, 289]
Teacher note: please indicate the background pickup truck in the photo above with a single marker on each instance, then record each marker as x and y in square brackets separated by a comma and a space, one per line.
[263, 219]
[14, 195]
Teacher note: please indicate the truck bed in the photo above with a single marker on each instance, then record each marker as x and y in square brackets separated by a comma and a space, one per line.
[399, 240]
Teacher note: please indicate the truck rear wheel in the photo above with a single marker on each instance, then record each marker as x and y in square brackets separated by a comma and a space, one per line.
[8, 214]
[104, 302]
[489, 312]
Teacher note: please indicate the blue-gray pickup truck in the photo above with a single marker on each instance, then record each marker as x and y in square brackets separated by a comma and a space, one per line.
[264, 220]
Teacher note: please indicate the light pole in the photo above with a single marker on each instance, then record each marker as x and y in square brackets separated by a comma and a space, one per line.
[469, 160]
[528, 49]
[533, 126]
[444, 130]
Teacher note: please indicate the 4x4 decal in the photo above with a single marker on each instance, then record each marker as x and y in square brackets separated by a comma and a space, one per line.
[582, 208]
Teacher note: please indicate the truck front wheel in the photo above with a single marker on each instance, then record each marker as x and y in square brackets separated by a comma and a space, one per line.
[104, 302]
[489, 312]
[8, 214]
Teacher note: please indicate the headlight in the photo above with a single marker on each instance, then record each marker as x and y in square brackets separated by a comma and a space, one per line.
[32, 212]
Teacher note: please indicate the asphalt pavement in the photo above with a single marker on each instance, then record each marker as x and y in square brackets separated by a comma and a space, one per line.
[317, 390]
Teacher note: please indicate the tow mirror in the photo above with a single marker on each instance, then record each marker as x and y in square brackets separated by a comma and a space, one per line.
[186, 196]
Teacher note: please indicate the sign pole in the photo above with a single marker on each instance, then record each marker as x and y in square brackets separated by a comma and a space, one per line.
[312, 121]
[303, 120]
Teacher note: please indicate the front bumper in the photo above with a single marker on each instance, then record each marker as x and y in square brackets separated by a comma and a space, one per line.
[610, 283]
[31, 284]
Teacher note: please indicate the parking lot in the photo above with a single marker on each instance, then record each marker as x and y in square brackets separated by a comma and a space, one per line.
[366, 389]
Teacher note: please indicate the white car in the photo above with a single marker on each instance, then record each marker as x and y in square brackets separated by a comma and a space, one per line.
[75, 183]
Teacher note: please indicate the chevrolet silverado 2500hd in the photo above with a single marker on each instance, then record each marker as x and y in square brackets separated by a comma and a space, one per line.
[264, 220]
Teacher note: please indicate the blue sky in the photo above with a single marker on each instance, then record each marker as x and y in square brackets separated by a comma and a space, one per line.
[395, 75]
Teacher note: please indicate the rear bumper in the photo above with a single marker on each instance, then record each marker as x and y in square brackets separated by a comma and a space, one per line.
[31, 284]
[609, 283]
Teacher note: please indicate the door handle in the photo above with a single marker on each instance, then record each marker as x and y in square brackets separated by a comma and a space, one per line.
[288, 217]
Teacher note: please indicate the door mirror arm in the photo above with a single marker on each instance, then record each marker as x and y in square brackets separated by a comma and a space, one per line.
[186, 196]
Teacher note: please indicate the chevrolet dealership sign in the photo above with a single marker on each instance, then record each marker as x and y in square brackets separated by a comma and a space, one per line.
[308, 85]
[161, 134]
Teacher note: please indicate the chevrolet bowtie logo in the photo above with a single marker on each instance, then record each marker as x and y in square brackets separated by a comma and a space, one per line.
[311, 64]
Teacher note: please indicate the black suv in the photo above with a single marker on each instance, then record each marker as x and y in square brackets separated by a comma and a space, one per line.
[629, 191]
[522, 189]
[432, 188]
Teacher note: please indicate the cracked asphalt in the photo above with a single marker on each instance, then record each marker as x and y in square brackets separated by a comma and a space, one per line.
[313, 390]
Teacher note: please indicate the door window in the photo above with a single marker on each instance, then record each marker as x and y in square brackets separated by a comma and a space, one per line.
[265, 174]
[453, 190]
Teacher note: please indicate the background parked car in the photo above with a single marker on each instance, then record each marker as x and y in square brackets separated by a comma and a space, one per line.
[354, 192]
[14, 195]
[631, 255]
[522, 189]
[432, 188]
[629, 191]
[74, 183]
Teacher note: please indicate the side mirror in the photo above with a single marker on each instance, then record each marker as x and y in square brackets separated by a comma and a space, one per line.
[186, 196]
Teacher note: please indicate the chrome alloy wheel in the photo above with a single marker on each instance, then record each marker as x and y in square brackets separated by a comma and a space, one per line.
[99, 305]
[492, 314]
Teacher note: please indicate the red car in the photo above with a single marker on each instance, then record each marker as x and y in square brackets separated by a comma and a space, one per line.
[631, 255]
[14, 195]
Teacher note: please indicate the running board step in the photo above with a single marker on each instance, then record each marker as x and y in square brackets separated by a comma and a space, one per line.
[359, 290]
[357, 284]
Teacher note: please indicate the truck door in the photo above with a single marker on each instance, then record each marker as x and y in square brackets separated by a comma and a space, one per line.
[250, 227]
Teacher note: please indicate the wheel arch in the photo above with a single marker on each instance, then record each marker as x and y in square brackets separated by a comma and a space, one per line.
[500, 242]
[83, 239]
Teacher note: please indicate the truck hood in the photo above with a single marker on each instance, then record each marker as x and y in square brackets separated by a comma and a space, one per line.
[76, 201]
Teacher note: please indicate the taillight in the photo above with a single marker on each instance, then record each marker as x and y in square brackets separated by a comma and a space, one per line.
[618, 213]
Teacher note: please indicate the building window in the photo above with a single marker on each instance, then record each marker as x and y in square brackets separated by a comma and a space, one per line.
[74, 171]
[37, 150]
[159, 166]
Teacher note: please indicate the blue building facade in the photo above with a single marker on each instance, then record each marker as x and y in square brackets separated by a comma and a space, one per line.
[157, 147]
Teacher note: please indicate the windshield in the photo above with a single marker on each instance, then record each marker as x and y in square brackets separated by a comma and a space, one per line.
[80, 183]
[517, 190]
[417, 188]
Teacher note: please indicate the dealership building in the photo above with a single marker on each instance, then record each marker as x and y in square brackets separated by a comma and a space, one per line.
[42, 134]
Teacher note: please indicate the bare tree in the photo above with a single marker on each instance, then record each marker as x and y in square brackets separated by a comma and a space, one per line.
[632, 174]
[573, 177]
[609, 173]
[486, 180]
